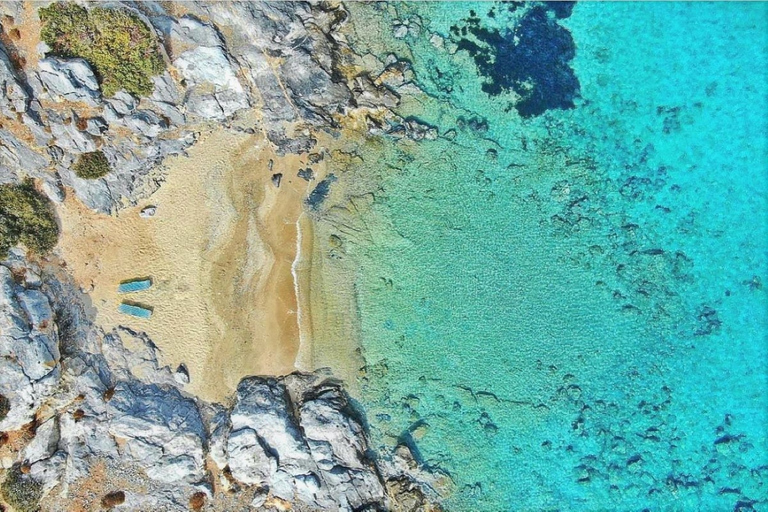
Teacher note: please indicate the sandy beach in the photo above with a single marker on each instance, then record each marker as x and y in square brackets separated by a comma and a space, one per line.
[221, 251]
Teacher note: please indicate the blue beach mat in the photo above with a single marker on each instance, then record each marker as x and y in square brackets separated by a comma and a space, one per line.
[134, 286]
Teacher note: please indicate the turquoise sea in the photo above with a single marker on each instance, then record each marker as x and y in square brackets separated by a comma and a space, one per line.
[564, 307]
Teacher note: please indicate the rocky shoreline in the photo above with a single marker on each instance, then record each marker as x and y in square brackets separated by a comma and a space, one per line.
[76, 398]
[90, 418]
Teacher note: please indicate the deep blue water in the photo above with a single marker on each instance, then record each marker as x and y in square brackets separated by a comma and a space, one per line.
[566, 306]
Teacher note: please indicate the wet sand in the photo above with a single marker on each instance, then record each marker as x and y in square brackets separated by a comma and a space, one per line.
[221, 251]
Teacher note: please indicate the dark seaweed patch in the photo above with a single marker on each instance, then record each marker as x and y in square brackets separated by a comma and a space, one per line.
[532, 60]
[320, 192]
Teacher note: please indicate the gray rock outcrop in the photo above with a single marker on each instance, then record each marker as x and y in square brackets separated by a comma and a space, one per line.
[67, 79]
[29, 347]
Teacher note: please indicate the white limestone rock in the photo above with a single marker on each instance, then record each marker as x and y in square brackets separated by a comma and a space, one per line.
[198, 52]
[248, 461]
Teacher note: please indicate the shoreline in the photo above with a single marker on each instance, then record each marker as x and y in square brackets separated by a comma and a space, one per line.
[301, 282]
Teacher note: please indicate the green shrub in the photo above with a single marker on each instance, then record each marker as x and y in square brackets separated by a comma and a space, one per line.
[26, 217]
[90, 166]
[5, 407]
[21, 491]
[121, 49]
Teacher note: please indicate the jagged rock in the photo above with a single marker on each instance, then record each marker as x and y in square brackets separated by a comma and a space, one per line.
[96, 126]
[15, 97]
[248, 460]
[263, 407]
[29, 352]
[69, 138]
[146, 123]
[122, 103]
[297, 143]
[69, 79]
[367, 94]
[167, 98]
[336, 440]
[15, 156]
[53, 191]
[181, 375]
[397, 127]
[93, 193]
[45, 442]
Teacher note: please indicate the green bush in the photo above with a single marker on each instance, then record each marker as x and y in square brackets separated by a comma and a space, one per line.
[26, 217]
[92, 165]
[21, 491]
[5, 407]
[121, 49]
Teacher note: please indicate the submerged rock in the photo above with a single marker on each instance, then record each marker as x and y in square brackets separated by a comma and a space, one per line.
[531, 59]
[307, 174]
[320, 192]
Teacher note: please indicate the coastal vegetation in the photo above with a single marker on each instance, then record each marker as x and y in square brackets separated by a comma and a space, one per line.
[122, 50]
[21, 491]
[26, 217]
[90, 166]
[5, 407]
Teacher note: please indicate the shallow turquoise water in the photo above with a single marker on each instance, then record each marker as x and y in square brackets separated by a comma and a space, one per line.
[568, 311]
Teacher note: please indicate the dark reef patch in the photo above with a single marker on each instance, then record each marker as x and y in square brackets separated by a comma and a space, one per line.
[320, 192]
[532, 59]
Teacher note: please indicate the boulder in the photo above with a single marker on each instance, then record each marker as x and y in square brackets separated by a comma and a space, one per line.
[69, 79]
[248, 459]
[198, 52]
[162, 430]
